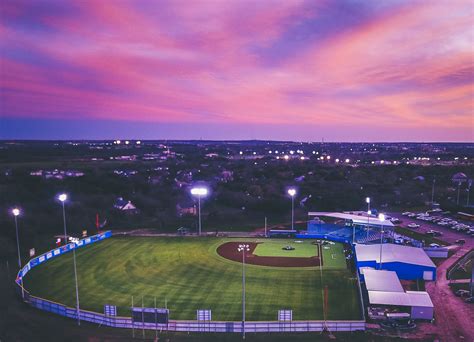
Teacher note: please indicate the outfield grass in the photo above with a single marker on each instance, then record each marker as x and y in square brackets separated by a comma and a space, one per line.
[187, 274]
[302, 249]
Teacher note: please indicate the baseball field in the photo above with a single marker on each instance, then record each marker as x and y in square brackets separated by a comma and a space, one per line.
[187, 274]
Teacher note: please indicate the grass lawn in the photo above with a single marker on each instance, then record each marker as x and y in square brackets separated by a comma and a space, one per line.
[187, 274]
[303, 248]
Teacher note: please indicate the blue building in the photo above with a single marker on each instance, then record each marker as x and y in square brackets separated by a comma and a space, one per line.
[410, 263]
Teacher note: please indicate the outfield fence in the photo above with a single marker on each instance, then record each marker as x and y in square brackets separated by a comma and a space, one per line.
[172, 325]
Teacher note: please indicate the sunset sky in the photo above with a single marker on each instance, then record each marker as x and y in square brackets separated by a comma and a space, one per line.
[219, 69]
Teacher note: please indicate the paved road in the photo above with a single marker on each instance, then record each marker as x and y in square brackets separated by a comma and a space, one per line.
[449, 235]
[454, 319]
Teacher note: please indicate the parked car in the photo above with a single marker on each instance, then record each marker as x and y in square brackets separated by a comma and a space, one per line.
[460, 241]
[469, 300]
[462, 293]
[413, 225]
[406, 213]
[434, 245]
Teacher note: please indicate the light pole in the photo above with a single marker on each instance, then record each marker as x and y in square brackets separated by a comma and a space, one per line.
[382, 219]
[432, 192]
[16, 213]
[367, 200]
[292, 193]
[199, 192]
[469, 184]
[459, 188]
[63, 198]
[243, 248]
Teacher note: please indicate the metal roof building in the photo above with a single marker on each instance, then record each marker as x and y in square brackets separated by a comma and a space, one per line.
[408, 262]
[357, 219]
[385, 281]
[384, 289]
[420, 303]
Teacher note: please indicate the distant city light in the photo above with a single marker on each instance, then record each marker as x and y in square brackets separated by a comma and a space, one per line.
[278, 157]
[127, 142]
[241, 152]
[381, 217]
[347, 160]
[138, 142]
[337, 160]
[62, 197]
[118, 142]
[314, 152]
[292, 192]
[286, 157]
[292, 152]
[302, 158]
[367, 200]
[270, 152]
[16, 211]
[328, 157]
[254, 153]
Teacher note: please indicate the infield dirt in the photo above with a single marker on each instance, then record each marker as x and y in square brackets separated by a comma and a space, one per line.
[229, 251]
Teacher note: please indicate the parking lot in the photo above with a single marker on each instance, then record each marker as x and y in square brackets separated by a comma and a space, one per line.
[449, 235]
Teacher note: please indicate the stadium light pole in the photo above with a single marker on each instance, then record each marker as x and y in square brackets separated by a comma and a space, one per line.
[199, 192]
[63, 198]
[382, 219]
[16, 213]
[367, 200]
[292, 193]
[243, 248]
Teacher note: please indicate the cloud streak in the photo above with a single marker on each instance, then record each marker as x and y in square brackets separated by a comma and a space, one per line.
[394, 65]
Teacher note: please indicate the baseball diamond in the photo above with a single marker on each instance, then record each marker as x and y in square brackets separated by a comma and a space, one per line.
[187, 274]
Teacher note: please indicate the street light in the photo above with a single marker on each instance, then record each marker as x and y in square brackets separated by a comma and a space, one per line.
[382, 220]
[243, 248]
[199, 192]
[63, 198]
[16, 213]
[292, 193]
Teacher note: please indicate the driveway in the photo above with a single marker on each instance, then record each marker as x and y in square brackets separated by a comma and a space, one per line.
[454, 319]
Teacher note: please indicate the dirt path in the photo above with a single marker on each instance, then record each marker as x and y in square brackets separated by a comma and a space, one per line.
[454, 319]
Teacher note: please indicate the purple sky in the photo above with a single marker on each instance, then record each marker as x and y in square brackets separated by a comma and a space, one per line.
[289, 70]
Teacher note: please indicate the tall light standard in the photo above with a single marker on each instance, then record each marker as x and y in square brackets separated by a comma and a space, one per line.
[16, 213]
[199, 192]
[243, 248]
[367, 200]
[292, 193]
[63, 198]
[382, 220]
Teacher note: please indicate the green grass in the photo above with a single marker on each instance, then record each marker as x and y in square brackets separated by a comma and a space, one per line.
[333, 256]
[303, 249]
[187, 274]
